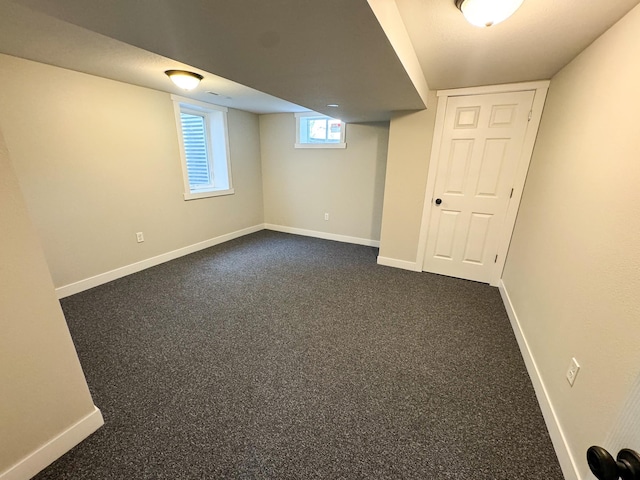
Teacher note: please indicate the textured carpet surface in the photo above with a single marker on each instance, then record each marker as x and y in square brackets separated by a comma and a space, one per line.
[275, 356]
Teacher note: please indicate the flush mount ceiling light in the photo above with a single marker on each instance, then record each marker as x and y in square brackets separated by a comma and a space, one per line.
[183, 79]
[485, 13]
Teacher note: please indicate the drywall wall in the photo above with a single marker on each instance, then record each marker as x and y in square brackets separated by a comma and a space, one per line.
[410, 139]
[98, 161]
[572, 269]
[301, 185]
[43, 392]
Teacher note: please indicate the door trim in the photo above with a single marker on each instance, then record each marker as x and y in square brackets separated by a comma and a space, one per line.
[541, 88]
[506, 88]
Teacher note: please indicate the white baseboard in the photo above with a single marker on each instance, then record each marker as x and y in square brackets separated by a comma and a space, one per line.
[111, 275]
[324, 235]
[403, 264]
[567, 462]
[54, 448]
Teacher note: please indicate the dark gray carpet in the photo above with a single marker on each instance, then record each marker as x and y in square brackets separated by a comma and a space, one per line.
[276, 356]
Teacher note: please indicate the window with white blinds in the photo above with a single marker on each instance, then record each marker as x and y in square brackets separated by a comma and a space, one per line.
[194, 135]
[203, 140]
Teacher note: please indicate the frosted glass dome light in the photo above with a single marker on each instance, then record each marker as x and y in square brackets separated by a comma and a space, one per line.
[183, 79]
[485, 13]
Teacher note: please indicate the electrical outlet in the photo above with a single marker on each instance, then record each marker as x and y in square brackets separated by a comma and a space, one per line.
[326, 216]
[572, 373]
[140, 237]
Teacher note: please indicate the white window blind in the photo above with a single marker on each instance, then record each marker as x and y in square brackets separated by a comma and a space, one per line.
[203, 140]
[194, 132]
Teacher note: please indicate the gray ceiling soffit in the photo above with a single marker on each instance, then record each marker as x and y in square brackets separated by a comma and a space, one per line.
[311, 53]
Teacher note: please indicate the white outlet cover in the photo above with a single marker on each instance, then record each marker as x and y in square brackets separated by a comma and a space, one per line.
[572, 372]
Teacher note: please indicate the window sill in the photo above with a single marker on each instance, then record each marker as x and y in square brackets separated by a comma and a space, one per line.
[320, 145]
[212, 193]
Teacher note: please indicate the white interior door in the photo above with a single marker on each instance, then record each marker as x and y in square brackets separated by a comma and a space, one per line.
[481, 146]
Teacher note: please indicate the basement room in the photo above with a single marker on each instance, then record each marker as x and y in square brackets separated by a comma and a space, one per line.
[294, 239]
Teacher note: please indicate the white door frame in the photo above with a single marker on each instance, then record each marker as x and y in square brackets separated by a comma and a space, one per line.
[541, 89]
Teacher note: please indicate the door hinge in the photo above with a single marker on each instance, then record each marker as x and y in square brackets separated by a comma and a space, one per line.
[496, 260]
[530, 115]
[511, 194]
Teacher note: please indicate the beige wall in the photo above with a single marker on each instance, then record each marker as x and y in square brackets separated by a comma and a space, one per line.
[300, 185]
[573, 270]
[410, 138]
[98, 161]
[42, 388]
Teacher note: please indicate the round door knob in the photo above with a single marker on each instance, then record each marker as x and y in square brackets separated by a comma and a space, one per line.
[438, 201]
[605, 467]
[631, 461]
[602, 464]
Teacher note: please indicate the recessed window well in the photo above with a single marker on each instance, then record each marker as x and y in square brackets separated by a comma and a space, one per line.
[314, 130]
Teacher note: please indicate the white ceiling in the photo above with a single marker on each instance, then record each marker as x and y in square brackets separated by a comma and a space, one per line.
[302, 53]
[541, 38]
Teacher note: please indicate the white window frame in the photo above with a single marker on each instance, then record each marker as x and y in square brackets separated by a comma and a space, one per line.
[341, 144]
[217, 147]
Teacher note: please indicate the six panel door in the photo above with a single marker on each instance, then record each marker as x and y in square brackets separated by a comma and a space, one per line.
[480, 150]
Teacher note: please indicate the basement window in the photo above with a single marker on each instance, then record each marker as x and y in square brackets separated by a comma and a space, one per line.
[204, 152]
[314, 130]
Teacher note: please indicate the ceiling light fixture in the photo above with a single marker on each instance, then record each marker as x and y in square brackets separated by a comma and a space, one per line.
[333, 105]
[485, 13]
[183, 79]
